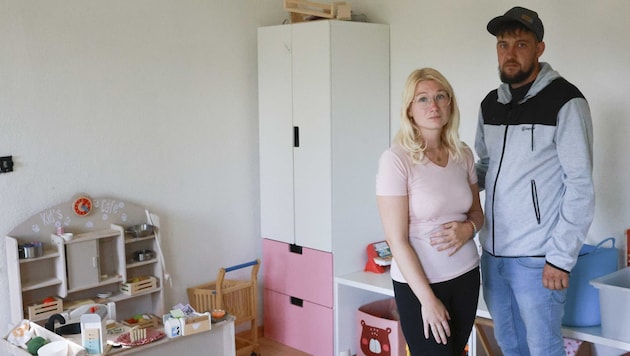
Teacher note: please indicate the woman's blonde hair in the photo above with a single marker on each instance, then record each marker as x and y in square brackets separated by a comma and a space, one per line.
[409, 135]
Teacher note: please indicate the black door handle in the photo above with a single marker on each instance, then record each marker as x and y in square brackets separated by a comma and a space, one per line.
[293, 248]
[297, 302]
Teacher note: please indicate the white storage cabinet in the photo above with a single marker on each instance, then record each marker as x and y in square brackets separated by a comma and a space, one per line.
[324, 121]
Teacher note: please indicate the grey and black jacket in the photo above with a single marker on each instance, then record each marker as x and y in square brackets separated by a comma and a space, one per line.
[535, 164]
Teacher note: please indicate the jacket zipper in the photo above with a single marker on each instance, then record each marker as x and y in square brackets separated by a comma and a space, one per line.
[535, 201]
[494, 187]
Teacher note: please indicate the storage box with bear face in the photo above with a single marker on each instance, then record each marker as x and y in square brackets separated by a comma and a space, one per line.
[379, 330]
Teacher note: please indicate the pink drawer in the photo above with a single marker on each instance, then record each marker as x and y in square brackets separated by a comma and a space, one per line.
[302, 325]
[307, 275]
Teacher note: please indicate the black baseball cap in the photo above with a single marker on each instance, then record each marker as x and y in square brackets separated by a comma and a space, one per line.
[525, 16]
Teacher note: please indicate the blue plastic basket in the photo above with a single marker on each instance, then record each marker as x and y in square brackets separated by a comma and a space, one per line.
[582, 303]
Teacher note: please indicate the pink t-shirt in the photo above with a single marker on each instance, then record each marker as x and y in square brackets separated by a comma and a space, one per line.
[436, 195]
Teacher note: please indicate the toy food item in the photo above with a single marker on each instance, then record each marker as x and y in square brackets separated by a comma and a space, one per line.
[49, 300]
[218, 313]
[21, 334]
[35, 344]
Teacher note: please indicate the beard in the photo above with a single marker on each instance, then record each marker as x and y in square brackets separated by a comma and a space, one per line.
[518, 77]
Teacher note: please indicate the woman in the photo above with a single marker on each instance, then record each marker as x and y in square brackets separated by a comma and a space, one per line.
[428, 201]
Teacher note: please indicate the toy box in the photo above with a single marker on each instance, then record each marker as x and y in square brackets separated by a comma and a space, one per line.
[196, 323]
[188, 325]
[379, 330]
[44, 310]
[139, 285]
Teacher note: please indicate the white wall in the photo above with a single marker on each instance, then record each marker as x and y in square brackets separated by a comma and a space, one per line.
[152, 101]
[155, 101]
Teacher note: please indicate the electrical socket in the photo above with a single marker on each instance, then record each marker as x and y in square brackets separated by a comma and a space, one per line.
[6, 164]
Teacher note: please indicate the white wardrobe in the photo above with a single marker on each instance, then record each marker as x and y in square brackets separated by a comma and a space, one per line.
[323, 121]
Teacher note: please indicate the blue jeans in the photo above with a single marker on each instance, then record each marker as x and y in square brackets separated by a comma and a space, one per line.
[527, 316]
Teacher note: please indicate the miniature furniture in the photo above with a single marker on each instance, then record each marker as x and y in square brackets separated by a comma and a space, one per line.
[97, 259]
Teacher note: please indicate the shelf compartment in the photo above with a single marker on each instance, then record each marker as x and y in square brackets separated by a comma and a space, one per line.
[130, 240]
[103, 282]
[40, 284]
[123, 296]
[143, 263]
[93, 235]
[48, 254]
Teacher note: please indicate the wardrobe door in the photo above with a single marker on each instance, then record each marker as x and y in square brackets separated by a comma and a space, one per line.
[311, 113]
[275, 133]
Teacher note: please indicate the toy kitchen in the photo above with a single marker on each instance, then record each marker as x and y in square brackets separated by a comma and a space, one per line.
[86, 277]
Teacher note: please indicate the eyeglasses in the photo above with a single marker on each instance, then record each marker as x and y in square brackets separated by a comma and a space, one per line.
[441, 99]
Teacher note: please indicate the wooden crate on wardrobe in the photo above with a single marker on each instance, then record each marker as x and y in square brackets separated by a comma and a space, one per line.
[302, 10]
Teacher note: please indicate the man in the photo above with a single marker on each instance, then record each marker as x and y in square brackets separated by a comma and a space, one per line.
[535, 144]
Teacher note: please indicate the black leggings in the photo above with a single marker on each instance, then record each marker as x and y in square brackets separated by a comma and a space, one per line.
[459, 295]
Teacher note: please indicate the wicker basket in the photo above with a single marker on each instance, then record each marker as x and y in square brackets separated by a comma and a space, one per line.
[236, 297]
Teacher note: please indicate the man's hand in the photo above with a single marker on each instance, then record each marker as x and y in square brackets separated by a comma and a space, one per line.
[554, 279]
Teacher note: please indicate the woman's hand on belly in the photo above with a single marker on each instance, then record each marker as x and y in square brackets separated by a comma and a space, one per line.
[452, 236]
